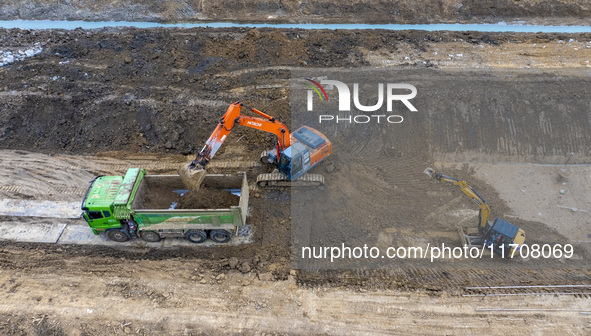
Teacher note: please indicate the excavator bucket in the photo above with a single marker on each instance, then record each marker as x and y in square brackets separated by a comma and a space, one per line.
[429, 171]
[192, 175]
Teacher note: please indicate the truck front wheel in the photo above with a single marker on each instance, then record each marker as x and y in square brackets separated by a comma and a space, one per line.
[117, 235]
[196, 236]
[150, 236]
[220, 236]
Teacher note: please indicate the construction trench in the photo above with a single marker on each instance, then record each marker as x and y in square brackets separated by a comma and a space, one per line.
[102, 101]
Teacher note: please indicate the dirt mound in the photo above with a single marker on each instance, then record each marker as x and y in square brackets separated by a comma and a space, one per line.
[164, 90]
[207, 198]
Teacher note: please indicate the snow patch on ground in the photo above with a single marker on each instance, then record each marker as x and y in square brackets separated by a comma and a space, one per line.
[11, 55]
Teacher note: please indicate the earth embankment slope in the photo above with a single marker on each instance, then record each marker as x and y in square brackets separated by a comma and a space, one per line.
[559, 12]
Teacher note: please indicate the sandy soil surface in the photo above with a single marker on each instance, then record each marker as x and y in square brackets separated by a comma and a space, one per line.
[153, 95]
[559, 12]
[556, 195]
[47, 294]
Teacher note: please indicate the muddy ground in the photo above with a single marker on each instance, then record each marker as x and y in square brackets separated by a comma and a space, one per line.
[149, 96]
[372, 11]
[163, 90]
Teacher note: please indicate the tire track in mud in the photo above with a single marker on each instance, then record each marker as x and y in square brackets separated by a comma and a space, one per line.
[104, 298]
[577, 292]
[452, 280]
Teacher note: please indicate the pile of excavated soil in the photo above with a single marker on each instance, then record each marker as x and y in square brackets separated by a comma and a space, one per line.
[164, 90]
[207, 198]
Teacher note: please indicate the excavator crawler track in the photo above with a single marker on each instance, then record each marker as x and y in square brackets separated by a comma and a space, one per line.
[278, 180]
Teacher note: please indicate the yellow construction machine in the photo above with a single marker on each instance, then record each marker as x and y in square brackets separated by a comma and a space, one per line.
[501, 236]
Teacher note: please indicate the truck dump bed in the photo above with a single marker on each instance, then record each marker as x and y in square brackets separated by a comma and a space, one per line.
[158, 200]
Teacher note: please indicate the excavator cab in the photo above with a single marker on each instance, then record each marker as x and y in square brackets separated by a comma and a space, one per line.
[501, 235]
[308, 147]
[294, 161]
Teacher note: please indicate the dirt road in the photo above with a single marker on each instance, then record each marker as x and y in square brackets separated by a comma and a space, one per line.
[45, 293]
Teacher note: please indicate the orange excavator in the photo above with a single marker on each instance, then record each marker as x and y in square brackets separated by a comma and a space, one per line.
[294, 153]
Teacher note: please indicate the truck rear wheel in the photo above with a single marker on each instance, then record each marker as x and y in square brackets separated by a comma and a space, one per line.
[220, 236]
[150, 236]
[196, 236]
[117, 235]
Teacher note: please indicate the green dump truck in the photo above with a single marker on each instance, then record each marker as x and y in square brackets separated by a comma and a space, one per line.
[142, 205]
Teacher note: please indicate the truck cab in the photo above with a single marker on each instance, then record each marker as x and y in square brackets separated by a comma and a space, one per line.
[97, 205]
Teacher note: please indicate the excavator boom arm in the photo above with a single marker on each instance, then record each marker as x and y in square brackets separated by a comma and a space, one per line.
[468, 190]
[233, 117]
